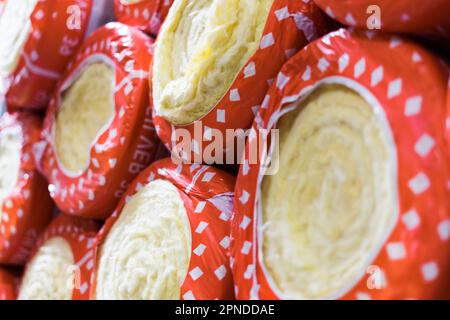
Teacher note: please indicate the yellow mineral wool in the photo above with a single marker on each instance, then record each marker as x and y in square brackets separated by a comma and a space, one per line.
[200, 49]
[329, 209]
[14, 29]
[50, 274]
[86, 110]
[10, 152]
[146, 253]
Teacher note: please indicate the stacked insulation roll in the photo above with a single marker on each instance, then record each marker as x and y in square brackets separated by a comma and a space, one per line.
[426, 18]
[61, 264]
[98, 132]
[168, 238]
[26, 207]
[358, 207]
[214, 61]
[38, 40]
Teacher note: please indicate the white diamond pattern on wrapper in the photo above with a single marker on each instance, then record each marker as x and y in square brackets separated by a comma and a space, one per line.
[267, 41]
[396, 250]
[444, 230]
[424, 145]
[411, 219]
[377, 76]
[201, 227]
[196, 273]
[413, 106]
[343, 62]
[360, 68]
[394, 88]
[200, 249]
[419, 184]
[430, 271]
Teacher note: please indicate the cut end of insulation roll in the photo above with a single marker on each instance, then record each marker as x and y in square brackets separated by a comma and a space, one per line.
[50, 274]
[328, 210]
[86, 109]
[146, 254]
[10, 153]
[200, 50]
[14, 29]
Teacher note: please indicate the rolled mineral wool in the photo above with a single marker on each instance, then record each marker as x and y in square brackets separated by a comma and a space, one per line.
[61, 265]
[355, 201]
[98, 132]
[428, 18]
[37, 41]
[168, 238]
[215, 60]
[25, 205]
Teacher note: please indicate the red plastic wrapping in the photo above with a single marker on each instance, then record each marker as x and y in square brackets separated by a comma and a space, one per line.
[207, 194]
[80, 234]
[290, 26]
[58, 28]
[385, 68]
[8, 285]
[27, 210]
[429, 18]
[122, 150]
[147, 15]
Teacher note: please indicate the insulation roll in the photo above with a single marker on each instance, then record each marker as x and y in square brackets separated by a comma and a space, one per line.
[427, 18]
[61, 265]
[355, 203]
[98, 133]
[26, 206]
[168, 238]
[37, 41]
[214, 61]
[147, 15]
